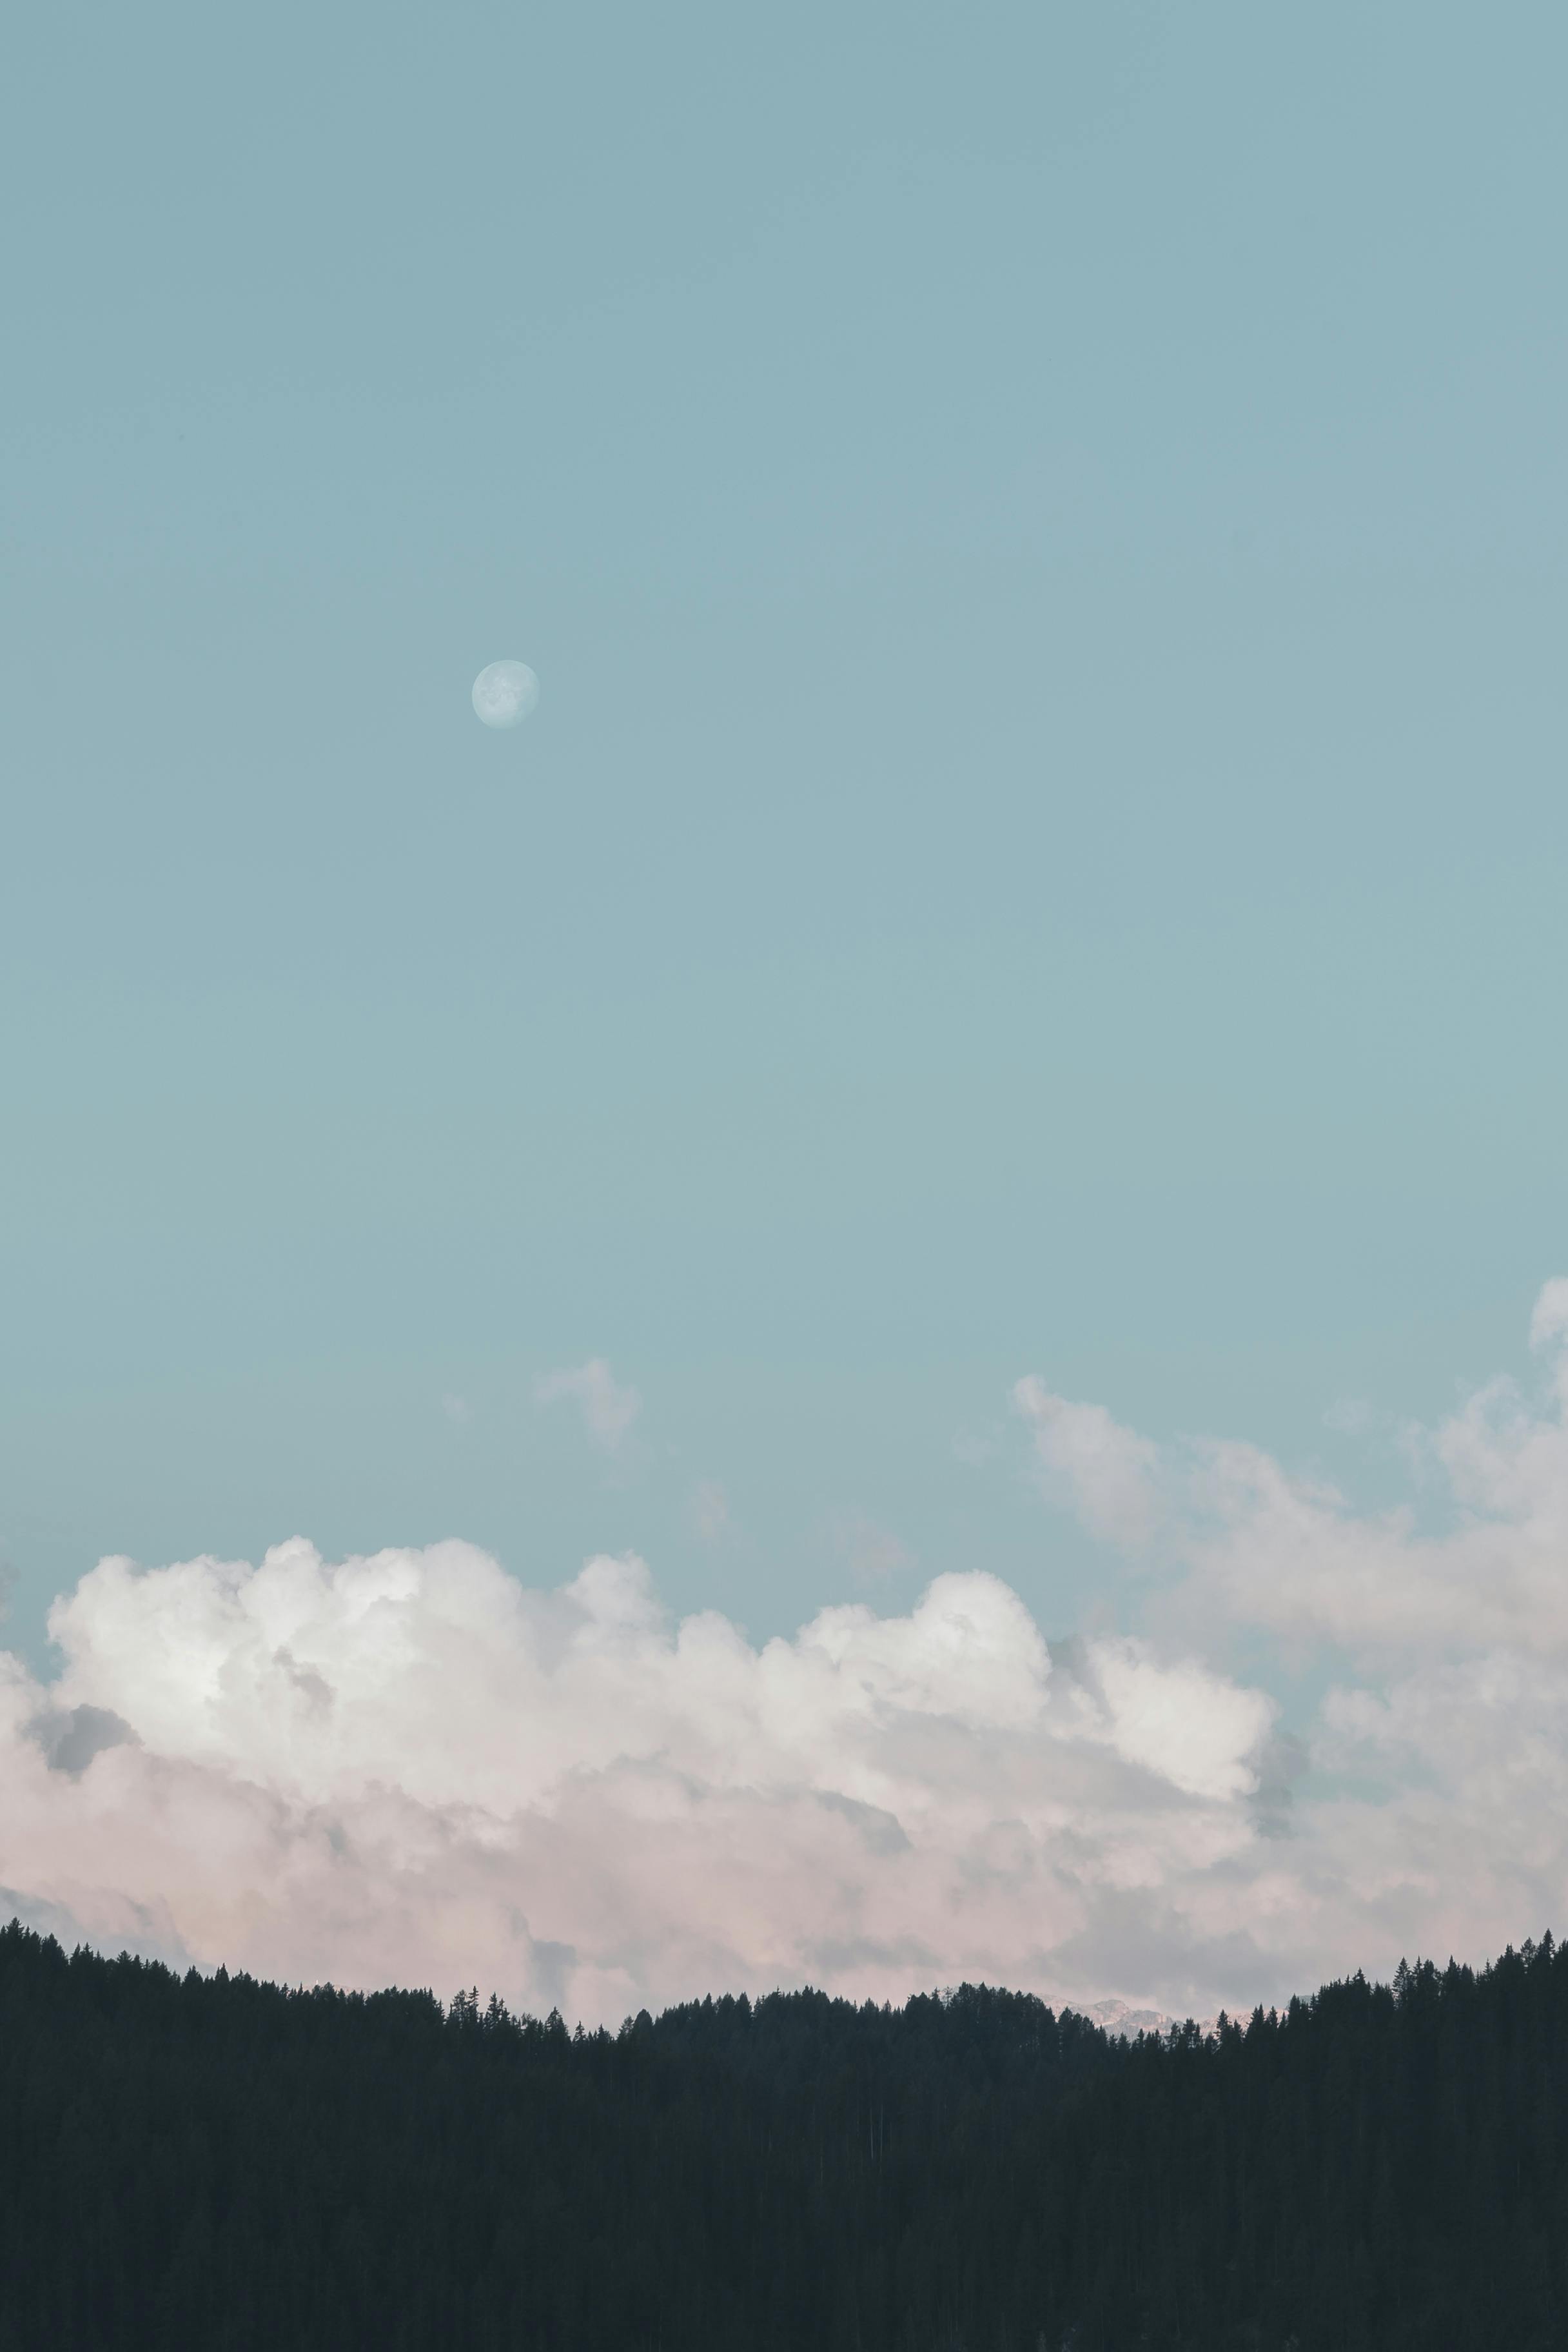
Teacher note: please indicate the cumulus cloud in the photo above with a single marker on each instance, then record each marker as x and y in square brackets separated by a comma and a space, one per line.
[608, 1408]
[411, 1767]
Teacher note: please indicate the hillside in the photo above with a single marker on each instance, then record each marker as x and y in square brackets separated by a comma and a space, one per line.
[211, 2162]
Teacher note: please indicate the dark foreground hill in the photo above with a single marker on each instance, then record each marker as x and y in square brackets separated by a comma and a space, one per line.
[210, 2162]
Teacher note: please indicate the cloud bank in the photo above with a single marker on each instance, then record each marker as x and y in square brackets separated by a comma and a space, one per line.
[412, 1767]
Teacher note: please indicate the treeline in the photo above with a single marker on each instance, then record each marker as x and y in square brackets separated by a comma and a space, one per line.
[211, 2162]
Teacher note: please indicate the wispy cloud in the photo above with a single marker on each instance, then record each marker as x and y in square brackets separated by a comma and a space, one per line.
[1246, 1542]
[710, 1512]
[607, 1406]
[1106, 1473]
[872, 1554]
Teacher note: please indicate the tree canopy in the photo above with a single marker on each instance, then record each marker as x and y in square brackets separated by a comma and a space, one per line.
[211, 2162]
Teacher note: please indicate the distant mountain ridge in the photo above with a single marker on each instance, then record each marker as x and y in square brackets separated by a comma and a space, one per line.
[1120, 2018]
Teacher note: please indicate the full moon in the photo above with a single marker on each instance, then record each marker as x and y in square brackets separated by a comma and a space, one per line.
[505, 693]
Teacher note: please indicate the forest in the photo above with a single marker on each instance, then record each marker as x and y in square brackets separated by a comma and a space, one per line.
[210, 2161]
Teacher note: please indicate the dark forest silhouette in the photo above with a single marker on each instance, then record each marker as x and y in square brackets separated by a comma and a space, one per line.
[209, 2161]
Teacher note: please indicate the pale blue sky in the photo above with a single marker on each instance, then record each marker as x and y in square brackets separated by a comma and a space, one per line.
[1042, 845]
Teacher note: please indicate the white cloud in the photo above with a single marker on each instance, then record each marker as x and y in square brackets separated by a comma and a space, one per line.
[410, 1766]
[607, 1407]
[1199, 1731]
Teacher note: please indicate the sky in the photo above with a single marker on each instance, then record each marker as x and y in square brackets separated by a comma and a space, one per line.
[935, 1189]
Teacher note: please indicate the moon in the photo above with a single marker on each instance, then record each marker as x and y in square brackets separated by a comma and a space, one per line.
[505, 693]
